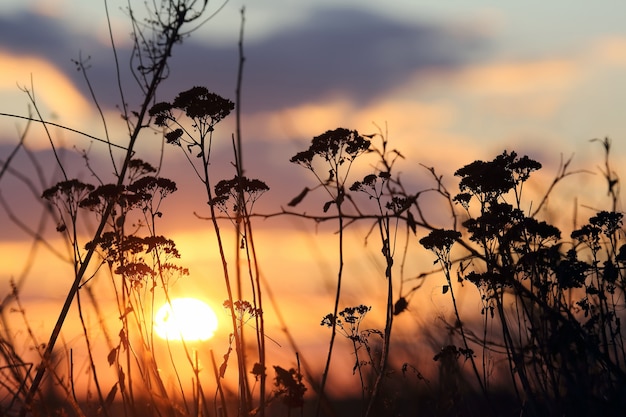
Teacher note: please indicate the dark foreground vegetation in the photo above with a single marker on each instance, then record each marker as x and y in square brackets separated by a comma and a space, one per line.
[551, 301]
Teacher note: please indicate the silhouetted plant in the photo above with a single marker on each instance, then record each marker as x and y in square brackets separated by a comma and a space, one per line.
[338, 149]
[523, 263]
[289, 388]
[240, 190]
[550, 307]
[348, 323]
[204, 110]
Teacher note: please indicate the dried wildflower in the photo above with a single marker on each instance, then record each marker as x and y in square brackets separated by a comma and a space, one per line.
[368, 181]
[199, 103]
[571, 272]
[162, 112]
[523, 166]
[171, 269]
[258, 370]
[400, 204]
[149, 186]
[493, 223]
[331, 144]
[541, 229]
[543, 258]
[238, 187]
[67, 190]
[463, 199]
[244, 310]
[166, 186]
[589, 234]
[66, 196]
[609, 222]
[354, 314]
[452, 352]
[610, 273]
[161, 244]
[347, 321]
[440, 241]
[131, 244]
[135, 271]
[173, 137]
[98, 198]
[489, 180]
[621, 254]
[488, 279]
[138, 168]
[303, 158]
[288, 386]
[339, 145]
[329, 320]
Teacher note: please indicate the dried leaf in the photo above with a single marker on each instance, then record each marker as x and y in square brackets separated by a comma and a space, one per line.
[298, 199]
[123, 339]
[225, 363]
[411, 222]
[111, 356]
[400, 306]
[121, 377]
[111, 395]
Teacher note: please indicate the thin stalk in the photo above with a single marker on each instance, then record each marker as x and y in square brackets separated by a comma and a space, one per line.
[90, 353]
[384, 229]
[239, 348]
[157, 78]
[220, 391]
[333, 333]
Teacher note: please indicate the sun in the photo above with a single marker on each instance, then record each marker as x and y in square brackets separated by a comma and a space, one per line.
[187, 319]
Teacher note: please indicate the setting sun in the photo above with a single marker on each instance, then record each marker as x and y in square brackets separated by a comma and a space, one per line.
[186, 319]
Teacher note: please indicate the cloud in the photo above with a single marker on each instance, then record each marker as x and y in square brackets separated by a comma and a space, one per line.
[351, 52]
[348, 52]
[37, 34]
[610, 50]
[52, 88]
[519, 77]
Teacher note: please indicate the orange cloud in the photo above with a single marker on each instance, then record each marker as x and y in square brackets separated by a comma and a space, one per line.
[426, 114]
[610, 50]
[520, 77]
[306, 120]
[53, 91]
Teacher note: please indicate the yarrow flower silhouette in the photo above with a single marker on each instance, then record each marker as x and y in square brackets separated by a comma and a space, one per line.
[289, 387]
[198, 103]
[336, 146]
[204, 108]
[489, 180]
[440, 241]
[238, 187]
[347, 320]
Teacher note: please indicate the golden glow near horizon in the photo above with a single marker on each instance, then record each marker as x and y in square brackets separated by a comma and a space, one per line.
[188, 319]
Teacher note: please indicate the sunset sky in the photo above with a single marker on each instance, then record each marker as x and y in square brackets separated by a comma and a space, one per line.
[452, 81]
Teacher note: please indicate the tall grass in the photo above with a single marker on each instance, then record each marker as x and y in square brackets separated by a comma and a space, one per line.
[550, 305]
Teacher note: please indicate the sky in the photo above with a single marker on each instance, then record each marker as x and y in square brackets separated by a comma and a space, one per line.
[450, 81]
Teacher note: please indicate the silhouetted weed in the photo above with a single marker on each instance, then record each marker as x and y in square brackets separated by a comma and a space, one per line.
[546, 324]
